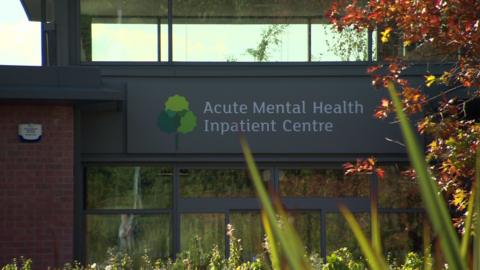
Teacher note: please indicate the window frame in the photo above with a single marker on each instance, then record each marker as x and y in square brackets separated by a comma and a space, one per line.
[226, 206]
[171, 62]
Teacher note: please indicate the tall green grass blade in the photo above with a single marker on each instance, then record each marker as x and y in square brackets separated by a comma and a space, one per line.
[292, 249]
[435, 205]
[468, 223]
[427, 246]
[374, 259]
[376, 237]
[289, 231]
[476, 238]
[272, 243]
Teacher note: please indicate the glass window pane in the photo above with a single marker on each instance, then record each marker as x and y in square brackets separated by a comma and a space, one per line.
[202, 231]
[330, 45]
[322, 183]
[124, 30]
[339, 234]
[396, 190]
[196, 183]
[402, 233]
[248, 227]
[130, 234]
[243, 30]
[129, 187]
[308, 227]
[426, 52]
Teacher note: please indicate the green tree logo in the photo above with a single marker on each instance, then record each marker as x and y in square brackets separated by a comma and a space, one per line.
[177, 117]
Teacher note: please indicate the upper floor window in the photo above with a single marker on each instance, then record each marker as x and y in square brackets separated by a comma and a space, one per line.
[120, 30]
[20, 39]
[215, 31]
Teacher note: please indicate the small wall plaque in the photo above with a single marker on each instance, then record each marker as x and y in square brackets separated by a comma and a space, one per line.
[30, 132]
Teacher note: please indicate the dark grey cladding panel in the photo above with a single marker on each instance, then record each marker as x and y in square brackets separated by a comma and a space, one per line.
[79, 77]
[27, 76]
[56, 83]
[352, 129]
[50, 76]
[32, 9]
[102, 130]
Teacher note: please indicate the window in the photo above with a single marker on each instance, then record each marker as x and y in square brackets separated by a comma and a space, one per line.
[169, 209]
[113, 30]
[396, 190]
[215, 31]
[204, 183]
[248, 227]
[339, 234]
[308, 227]
[330, 45]
[427, 52]
[322, 183]
[129, 187]
[128, 210]
[129, 234]
[202, 231]
[402, 233]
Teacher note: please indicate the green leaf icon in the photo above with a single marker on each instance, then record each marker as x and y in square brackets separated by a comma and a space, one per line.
[166, 123]
[171, 114]
[176, 103]
[177, 116]
[187, 123]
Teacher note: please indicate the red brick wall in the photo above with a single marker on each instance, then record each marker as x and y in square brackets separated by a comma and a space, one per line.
[36, 186]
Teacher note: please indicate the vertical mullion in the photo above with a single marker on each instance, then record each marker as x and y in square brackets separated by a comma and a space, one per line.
[323, 236]
[309, 40]
[275, 180]
[43, 14]
[170, 33]
[159, 36]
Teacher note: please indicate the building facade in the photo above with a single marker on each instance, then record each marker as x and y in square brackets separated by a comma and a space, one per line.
[142, 104]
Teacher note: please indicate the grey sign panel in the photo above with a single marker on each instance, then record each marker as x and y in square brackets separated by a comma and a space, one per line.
[276, 115]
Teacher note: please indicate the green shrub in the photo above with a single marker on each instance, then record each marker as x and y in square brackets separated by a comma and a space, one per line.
[25, 264]
[342, 259]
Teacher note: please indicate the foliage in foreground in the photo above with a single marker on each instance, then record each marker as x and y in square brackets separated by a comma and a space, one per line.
[341, 259]
[454, 250]
[446, 104]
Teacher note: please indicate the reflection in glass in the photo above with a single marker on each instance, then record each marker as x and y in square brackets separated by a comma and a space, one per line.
[330, 45]
[243, 30]
[131, 234]
[322, 183]
[402, 233]
[215, 31]
[202, 231]
[128, 187]
[308, 227]
[398, 191]
[248, 228]
[195, 183]
[339, 234]
[114, 30]
[425, 52]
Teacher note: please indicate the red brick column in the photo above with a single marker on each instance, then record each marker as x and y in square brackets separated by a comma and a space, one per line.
[36, 185]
